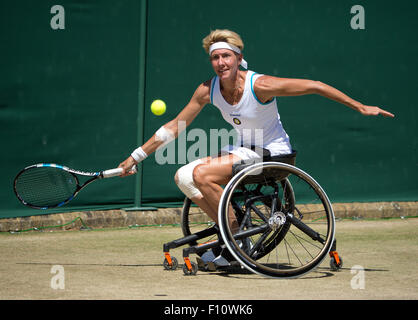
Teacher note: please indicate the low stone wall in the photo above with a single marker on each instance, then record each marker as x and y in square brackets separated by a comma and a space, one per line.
[122, 218]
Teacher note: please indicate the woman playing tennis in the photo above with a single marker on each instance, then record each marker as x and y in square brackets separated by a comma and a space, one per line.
[247, 101]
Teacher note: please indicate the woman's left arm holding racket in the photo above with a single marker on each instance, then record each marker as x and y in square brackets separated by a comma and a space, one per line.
[168, 131]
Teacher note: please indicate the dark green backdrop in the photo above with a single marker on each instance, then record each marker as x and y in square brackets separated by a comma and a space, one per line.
[80, 96]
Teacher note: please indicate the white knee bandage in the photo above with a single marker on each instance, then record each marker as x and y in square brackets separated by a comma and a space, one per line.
[185, 179]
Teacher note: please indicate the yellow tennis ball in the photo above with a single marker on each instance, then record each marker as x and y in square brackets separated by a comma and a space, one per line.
[158, 107]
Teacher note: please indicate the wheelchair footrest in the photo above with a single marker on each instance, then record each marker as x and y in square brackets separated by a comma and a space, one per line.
[202, 266]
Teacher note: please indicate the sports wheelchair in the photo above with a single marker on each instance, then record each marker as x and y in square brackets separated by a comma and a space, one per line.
[286, 222]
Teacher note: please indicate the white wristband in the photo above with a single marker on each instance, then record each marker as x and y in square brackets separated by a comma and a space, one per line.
[139, 154]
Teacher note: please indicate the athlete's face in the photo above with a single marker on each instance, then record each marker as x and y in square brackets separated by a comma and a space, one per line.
[225, 62]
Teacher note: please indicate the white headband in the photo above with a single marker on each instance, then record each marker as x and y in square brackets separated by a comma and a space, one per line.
[225, 45]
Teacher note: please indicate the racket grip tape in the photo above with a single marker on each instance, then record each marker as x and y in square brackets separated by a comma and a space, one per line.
[112, 173]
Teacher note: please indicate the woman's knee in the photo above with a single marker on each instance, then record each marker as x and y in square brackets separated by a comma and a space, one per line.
[184, 179]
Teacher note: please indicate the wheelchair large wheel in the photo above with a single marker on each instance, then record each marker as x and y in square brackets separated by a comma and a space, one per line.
[287, 224]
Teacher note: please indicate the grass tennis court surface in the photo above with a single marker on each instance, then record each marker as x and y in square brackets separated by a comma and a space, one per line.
[127, 264]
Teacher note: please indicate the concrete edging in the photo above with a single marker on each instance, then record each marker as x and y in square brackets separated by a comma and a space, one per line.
[122, 218]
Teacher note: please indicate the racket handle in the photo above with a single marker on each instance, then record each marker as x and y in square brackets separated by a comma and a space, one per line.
[112, 173]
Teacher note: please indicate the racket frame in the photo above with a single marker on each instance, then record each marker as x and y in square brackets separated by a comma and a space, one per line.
[94, 176]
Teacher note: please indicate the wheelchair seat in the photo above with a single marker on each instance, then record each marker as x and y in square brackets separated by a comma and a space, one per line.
[277, 175]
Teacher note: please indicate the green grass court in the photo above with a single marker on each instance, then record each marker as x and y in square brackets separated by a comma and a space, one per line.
[126, 263]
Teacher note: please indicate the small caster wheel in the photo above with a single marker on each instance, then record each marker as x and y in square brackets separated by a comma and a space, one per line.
[188, 272]
[334, 265]
[173, 266]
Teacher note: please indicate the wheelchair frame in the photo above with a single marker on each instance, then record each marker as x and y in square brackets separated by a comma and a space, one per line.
[281, 215]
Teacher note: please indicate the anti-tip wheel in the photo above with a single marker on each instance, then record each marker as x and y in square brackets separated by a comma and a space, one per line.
[188, 272]
[173, 266]
[334, 265]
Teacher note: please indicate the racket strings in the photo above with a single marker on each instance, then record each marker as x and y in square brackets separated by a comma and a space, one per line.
[45, 186]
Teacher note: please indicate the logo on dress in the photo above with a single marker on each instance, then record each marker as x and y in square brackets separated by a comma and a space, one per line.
[236, 121]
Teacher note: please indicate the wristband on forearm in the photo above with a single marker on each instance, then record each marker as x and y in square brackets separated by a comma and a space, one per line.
[139, 154]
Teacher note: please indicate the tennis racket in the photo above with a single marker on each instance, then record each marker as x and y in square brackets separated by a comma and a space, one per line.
[48, 185]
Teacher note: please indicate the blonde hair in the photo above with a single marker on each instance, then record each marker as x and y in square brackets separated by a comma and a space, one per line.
[223, 35]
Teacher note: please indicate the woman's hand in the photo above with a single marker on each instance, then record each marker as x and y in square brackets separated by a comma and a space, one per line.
[128, 167]
[374, 111]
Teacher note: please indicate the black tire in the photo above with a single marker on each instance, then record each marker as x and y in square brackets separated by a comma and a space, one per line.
[188, 272]
[288, 241]
[333, 264]
[173, 266]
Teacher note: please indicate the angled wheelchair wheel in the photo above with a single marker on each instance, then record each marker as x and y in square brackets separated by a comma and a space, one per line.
[286, 222]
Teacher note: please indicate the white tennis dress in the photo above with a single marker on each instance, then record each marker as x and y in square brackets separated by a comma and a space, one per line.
[256, 123]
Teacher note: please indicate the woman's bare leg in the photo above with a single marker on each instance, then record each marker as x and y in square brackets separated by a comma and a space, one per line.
[208, 178]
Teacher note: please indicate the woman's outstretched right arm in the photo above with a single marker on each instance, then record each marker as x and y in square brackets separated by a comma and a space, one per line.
[171, 129]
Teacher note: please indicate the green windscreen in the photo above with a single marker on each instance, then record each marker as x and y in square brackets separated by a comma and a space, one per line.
[73, 96]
